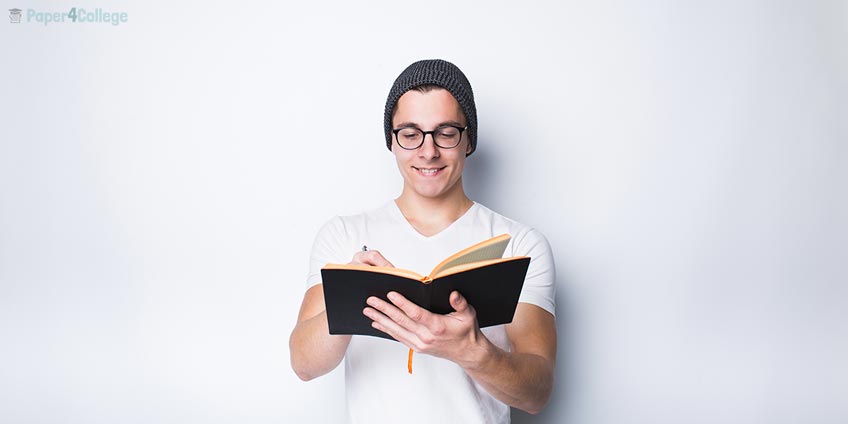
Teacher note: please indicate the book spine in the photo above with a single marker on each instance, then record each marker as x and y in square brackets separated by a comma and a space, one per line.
[429, 289]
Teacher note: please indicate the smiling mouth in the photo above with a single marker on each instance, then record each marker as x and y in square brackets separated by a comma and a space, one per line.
[428, 171]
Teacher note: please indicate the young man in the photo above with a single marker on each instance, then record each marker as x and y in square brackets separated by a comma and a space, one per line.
[462, 373]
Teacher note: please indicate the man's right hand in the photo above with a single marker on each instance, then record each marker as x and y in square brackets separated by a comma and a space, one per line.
[370, 257]
[314, 352]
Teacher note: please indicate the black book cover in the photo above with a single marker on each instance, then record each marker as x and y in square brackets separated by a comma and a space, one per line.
[492, 290]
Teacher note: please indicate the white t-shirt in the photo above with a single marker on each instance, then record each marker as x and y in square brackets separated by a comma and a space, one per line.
[379, 388]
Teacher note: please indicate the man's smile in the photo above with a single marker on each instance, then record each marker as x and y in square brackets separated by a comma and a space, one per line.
[429, 171]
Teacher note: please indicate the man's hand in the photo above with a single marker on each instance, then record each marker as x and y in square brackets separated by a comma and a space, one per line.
[314, 351]
[521, 377]
[370, 257]
[454, 336]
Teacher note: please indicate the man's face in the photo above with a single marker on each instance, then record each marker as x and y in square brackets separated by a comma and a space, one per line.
[430, 171]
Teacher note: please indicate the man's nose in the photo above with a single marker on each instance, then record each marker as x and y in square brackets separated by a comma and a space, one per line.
[428, 149]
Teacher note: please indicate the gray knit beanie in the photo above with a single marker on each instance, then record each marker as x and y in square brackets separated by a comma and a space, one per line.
[443, 74]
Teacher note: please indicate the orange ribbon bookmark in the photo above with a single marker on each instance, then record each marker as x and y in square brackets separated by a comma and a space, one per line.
[409, 362]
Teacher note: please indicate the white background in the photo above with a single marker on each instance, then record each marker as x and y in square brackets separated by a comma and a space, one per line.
[161, 182]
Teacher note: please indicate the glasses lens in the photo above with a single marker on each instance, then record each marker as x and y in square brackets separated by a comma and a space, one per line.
[409, 138]
[447, 136]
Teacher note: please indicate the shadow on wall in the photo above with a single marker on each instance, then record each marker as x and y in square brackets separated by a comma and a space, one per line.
[557, 410]
[480, 181]
[559, 406]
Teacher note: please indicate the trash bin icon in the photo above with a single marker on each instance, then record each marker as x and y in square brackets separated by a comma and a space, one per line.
[15, 16]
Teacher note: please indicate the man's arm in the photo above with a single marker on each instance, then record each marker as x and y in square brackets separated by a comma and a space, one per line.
[314, 351]
[522, 377]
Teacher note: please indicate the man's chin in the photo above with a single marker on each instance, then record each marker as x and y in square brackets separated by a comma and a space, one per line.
[430, 192]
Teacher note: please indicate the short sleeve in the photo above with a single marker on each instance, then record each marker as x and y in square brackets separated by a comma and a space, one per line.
[540, 283]
[330, 246]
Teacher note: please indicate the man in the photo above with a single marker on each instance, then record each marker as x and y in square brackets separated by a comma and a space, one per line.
[462, 373]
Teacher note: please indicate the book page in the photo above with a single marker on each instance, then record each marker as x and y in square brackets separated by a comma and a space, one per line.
[492, 248]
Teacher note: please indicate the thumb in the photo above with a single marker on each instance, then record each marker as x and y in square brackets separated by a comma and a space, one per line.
[371, 257]
[458, 302]
[377, 259]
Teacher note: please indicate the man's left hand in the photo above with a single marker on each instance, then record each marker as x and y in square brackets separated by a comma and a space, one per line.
[454, 336]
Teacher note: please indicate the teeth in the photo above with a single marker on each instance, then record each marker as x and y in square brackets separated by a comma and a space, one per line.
[428, 170]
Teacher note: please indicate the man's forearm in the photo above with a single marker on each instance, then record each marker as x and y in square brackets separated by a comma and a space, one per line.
[520, 380]
[314, 352]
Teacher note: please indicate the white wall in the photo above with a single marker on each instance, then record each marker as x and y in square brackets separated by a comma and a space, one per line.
[161, 182]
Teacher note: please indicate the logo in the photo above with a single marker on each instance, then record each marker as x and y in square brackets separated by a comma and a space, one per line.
[15, 16]
[73, 16]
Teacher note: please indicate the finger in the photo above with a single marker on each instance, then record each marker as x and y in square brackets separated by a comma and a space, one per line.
[371, 257]
[376, 258]
[410, 309]
[385, 324]
[358, 258]
[393, 313]
[458, 302]
[400, 337]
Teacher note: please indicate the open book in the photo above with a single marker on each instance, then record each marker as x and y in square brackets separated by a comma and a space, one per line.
[490, 283]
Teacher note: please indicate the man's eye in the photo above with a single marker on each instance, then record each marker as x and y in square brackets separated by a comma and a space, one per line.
[447, 133]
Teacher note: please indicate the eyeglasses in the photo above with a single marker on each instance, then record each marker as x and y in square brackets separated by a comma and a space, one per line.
[445, 136]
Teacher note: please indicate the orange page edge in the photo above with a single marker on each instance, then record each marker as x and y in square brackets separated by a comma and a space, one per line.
[400, 272]
[465, 267]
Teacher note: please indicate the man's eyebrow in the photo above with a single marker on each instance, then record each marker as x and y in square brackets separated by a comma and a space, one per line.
[413, 124]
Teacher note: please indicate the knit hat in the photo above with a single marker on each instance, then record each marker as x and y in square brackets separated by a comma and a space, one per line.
[443, 74]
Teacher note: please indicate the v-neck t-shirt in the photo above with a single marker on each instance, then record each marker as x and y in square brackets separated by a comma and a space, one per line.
[378, 387]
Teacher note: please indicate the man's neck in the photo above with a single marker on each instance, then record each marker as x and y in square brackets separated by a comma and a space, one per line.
[429, 216]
